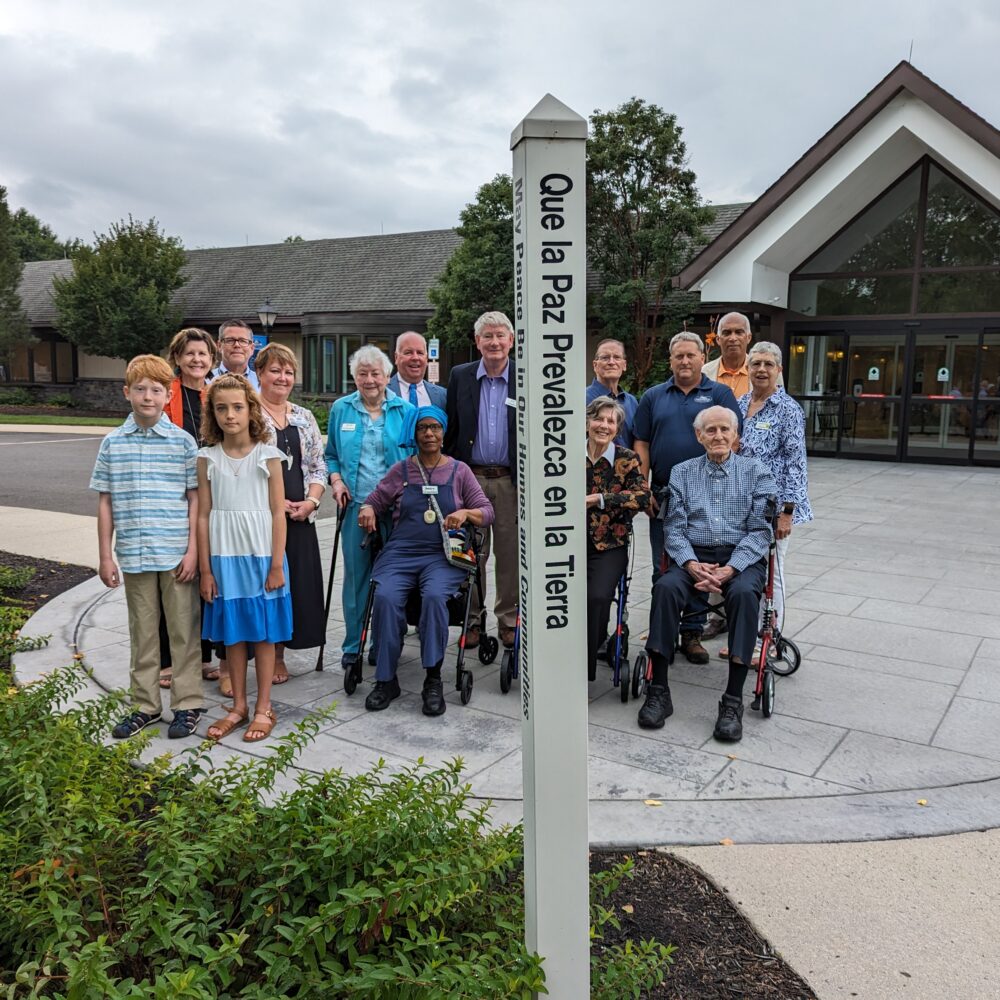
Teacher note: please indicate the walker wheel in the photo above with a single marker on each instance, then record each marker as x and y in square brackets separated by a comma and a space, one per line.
[639, 674]
[489, 646]
[623, 681]
[465, 689]
[506, 670]
[350, 681]
[767, 694]
[785, 657]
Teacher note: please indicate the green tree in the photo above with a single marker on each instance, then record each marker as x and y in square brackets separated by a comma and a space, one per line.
[118, 302]
[14, 328]
[480, 273]
[35, 240]
[294, 238]
[644, 216]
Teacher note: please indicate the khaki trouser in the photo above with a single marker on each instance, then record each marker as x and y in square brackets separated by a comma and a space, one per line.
[502, 539]
[181, 610]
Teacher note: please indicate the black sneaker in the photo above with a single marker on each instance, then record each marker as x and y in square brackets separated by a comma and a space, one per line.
[382, 694]
[658, 707]
[729, 725]
[185, 722]
[693, 650]
[133, 724]
[433, 694]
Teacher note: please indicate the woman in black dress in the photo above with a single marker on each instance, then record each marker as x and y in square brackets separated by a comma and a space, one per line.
[295, 432]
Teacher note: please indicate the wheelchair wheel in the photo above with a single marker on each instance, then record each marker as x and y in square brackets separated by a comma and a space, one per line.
[785, 657]
[767, 694]
[350, 681]
[465, 690]
[506, 670]
[624, 679]
[639, 674]
[489, 646]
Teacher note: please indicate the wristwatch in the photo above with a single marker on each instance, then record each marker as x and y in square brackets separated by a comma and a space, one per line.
[788, 508]
[314, 501]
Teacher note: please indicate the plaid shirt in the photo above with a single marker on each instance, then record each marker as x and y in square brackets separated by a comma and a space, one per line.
[714, 505]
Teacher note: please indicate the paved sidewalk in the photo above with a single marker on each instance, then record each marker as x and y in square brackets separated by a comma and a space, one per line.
[888, 731]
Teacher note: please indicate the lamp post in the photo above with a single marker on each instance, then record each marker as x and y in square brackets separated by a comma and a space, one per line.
[267, 314]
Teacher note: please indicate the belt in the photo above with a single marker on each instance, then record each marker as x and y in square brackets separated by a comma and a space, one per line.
[491, 471]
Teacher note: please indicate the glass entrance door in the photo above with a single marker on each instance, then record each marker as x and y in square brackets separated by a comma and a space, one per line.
[873, 394]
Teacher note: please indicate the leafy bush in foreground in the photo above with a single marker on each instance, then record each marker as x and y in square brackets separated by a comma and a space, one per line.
[174, 881]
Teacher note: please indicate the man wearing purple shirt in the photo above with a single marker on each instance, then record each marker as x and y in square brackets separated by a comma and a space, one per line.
[481, 432]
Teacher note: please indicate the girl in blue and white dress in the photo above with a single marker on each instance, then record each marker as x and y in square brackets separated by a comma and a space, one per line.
[241, 547]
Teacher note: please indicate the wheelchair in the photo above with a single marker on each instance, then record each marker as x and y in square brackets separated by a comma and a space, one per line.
[776, 655]
[459, 610]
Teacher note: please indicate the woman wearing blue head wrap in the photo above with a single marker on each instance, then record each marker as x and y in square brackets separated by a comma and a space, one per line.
[407, 435]
[419, 491]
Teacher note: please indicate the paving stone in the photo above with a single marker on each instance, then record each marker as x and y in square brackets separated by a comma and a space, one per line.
[92, 638]
[858, 584]
[982, 681]
[879, 763]
[871, 662]
[956, 598]
[811, 599]
[743, 780]
[947, 622]
[971, 727]
[887, 639]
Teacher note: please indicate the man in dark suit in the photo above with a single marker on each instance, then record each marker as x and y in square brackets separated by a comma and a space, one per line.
[481, 432]
[411, 366]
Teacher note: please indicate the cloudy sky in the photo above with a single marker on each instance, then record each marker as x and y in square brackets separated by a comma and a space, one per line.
[235, 122]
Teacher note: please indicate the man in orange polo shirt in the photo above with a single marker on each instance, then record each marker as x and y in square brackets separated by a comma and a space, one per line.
[730, 369]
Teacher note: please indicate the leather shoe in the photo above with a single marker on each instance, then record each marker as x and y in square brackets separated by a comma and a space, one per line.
[433, 695]
[658, 707]
[506, 636]
[715, 627]
[729, 725]
[382, 694]
[693, 650]
[472, 637]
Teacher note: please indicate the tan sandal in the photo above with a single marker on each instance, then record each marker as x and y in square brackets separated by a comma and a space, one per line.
[223, 727]
[260, 730]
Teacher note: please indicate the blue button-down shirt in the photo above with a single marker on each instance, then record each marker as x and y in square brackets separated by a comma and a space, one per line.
[776, 436]
[490, 447]
[624, 438]
[715, 505]
[665, 420]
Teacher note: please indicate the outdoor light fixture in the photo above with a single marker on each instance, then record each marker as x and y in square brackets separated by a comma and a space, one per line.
[267, 314]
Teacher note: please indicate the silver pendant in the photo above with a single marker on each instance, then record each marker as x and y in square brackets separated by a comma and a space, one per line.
[429, 516]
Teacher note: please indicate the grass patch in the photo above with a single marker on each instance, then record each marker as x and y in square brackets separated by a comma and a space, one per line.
[77, 420]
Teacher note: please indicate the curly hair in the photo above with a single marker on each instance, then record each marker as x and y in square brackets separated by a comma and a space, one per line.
[211, 432]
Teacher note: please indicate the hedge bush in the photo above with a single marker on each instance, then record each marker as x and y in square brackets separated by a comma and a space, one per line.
[191, 878]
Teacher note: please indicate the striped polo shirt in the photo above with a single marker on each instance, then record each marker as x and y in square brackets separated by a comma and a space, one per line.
[148, 474]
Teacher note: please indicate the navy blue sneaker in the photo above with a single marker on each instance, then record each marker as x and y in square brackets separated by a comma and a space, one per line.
[133, 724]
[185, 722]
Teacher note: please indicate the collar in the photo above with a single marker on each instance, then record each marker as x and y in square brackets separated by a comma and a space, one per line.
[712, 469]
[705, 383]
[223, 370]
[620, 394]
[609, 454]
[743, 370]
[390, 399]
[161, 427]
[482, 373]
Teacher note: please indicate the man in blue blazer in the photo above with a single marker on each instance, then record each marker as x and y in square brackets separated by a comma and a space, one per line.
[481, 432]
[411, 366]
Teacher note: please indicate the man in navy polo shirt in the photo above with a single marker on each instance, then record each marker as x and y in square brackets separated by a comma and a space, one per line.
[665, 436]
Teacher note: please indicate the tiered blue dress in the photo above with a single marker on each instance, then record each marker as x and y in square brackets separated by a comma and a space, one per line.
[239, 535]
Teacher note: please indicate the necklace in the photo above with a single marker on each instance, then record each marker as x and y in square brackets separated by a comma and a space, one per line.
[236, 467]
[429, 515]
[277, 423]
[281, 436]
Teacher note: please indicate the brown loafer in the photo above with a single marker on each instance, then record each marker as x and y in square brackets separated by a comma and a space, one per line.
[472, 637]
[693, 650]
[715, 627]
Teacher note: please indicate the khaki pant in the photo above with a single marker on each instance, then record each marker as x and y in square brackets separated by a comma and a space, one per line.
[502, 539]
[143, 592]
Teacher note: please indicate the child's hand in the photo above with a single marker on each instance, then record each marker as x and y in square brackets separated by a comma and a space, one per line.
[275, 579]
[209, 591]
[187, 568]
[108, 572]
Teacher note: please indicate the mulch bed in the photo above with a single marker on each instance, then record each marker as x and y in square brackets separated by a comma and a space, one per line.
[719, 955]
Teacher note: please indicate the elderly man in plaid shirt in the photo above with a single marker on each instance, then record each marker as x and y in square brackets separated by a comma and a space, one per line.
[716, 535]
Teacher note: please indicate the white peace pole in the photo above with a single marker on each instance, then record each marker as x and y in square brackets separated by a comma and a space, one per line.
[550, 320]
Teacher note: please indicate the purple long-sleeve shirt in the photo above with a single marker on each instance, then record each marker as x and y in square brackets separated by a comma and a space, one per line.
[468, 493]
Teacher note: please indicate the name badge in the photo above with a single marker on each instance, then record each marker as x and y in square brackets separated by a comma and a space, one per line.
[511, 402]
[430, 491]
[764, 425]
[348, 427]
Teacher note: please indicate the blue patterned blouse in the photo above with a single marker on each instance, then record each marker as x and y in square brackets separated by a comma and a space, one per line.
[776, 435]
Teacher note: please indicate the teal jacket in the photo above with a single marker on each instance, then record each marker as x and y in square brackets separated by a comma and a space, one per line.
[345, 432]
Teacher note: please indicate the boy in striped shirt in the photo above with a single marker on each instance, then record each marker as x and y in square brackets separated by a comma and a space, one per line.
[146, 476]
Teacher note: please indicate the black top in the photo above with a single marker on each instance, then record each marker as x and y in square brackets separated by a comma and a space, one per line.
[192, 412]
[289, 442]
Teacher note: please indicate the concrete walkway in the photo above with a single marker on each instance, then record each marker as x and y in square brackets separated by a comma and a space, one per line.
[886, 732]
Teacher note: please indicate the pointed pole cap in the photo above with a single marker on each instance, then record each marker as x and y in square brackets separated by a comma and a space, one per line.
[550, 119]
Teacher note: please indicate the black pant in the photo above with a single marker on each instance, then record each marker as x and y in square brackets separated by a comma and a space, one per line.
[604, 569]
[673, 592]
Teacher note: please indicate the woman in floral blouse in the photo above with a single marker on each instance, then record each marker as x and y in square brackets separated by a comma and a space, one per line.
[616, 492]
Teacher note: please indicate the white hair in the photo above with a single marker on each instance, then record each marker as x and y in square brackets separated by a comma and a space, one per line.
[766, 347]
[369, 354]
[686, 335]
[494, 318]
[702, 416]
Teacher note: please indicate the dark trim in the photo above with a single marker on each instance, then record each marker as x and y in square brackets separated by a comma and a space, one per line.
[903, 78]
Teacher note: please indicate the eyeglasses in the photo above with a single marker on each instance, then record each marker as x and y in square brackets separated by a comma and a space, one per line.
[608, 357]
[236, 342]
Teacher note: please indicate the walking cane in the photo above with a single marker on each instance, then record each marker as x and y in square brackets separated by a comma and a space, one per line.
[329, 586]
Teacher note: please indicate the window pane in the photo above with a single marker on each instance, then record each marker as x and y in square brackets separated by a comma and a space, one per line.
[851, 296]
[64, 362]
[18, 366]
[966, 291]
[939, 430]
[961, 230]
[871, 426]
[348, 345]
[815, 364]
[328, 376]
[883, 238]
[876, 365]
[944, 364]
